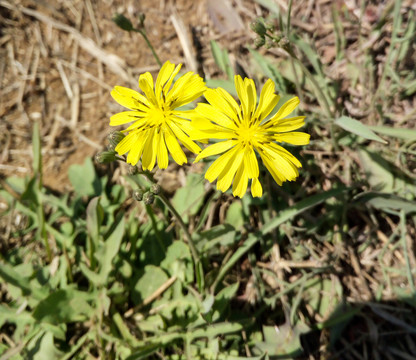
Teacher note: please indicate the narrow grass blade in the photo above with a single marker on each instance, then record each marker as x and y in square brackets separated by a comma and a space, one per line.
[356, 127]
[300, 207]
[401, 133]
[248, 244]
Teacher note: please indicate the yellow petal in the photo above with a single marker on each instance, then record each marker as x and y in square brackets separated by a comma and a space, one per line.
[181, 120]
[294, 138]
[168, 84]
[174, 148]
[284, 153]
[268, 101]
[129, 98]
[214, 133]
[125, 117]
[184, 139]
[284, 125]
[215, 149]
[137, 125]
[242, 94]
[124, 145]
[251, 164]
[240, 182]
[282, 165]
[256, 188]
[162, 152]
[186, 89]
[286, 108]
[216, 116]
[251, 96]
[222, 101]
[218, 165]
[163, 76]
[149, 151]
[268, 162]
[136, 149]
[146, 85]
[226, 177]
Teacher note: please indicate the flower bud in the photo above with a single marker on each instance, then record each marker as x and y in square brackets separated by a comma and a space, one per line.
[142, 17]
[269, 26]
[115, 137]
[258, 27]
[259, 41]
[138, 195]
[105, 157]
[148, 198]
[122, 22]
[155, 189]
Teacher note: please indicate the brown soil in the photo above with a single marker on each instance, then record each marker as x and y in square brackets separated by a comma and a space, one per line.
[60, 60]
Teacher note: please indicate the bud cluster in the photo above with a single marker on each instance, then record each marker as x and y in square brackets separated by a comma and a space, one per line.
[268, 36]
[123, 23]
[148, 197]
[109, 155]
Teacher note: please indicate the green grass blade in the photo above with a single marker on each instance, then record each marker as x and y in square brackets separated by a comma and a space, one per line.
[300, 207]
[356, 127]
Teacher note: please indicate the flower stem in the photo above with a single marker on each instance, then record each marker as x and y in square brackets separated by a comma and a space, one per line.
[182, 225]
[149, 44]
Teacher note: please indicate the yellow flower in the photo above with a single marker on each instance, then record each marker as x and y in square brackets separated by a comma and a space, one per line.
[157, 126]
[244, 129]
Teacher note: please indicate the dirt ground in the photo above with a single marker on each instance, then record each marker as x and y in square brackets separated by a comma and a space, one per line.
[60, 60]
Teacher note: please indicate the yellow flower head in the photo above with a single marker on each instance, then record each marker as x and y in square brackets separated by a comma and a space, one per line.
[157, 126]
[243, 129]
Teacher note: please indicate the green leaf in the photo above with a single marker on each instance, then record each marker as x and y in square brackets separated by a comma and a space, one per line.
[42, 347]
[11, 276]
[271, 5]
[152, 278]
[84, 179]
[401, 133]
[111, 249]
[223, 299]
[378, 171]
[189, 199]
[358, 128]
[235, 215]
[282, 340]
[298, 208]
[215, 330]
[247, 245]
[222, 60]
[95, 215]
[323, 295]
[269, 70]
[386, 202]
[178, 262]
[223, 235]
[64, 306]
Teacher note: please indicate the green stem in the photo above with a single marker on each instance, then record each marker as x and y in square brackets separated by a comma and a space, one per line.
[154, 226]
[182, 225]
[321, 95]
[149, 44]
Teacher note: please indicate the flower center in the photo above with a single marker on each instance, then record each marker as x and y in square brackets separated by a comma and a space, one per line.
[158, 117]
[247, 134]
